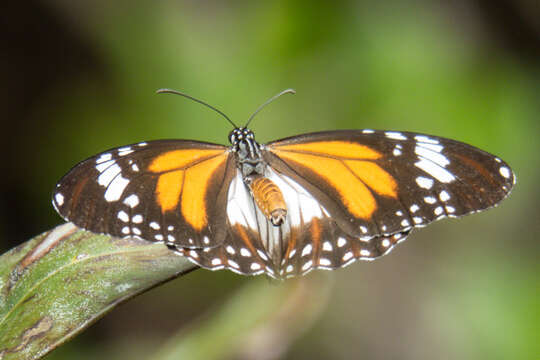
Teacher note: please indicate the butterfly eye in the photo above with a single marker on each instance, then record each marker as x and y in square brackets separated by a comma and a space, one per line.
[232, 136]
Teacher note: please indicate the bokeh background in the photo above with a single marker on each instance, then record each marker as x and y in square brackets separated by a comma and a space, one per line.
[78, 77]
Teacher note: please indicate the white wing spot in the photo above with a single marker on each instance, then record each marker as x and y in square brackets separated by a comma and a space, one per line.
[327, 246]
[438, 210]
[450, 209]
[405, 222]
[444, 196]
[325, 262]
[385, 243]
[430, 200]
[59, 198]
[435, 170]
[136, 231]
[206, 240]
[233, 263]
[395, 135]
[104, 165]
[125, 230]
[365, 252]
[363, 229]
[431, 147]
[341, 242]
[134, 167]
[291, 254]
[307, 265]
[170, 228]
[399, 213]
[103, 158]
[414, 208]
[142, 144]
[105, 178]
[425, 139]
[505, 172]
[230, 250]
[424, 182]
[396, 152]
[170, 237]
[193, 254]
[132, 201]
[348, 255]
[245, 252]
[289, 268]
[124, 151]
[368, 131]
[123, 216]
[262, 255]
[307, 250]
[417, 220]
[116, 188]
[137, 219]
[255, 266]
[154, 225]
[158, 237]
[216, 261]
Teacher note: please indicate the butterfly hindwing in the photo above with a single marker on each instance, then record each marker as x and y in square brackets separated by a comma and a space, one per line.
[377, 183]
[171, 191]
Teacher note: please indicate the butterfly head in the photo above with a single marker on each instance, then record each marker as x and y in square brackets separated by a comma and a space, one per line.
[240, 135]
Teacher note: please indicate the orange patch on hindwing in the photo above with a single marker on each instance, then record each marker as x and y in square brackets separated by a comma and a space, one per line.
[185, 177]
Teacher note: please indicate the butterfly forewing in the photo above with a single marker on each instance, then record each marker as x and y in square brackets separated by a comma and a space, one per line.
[377, 183]
[172, 191]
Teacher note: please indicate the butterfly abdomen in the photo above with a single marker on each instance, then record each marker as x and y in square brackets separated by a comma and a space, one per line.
[269, 199]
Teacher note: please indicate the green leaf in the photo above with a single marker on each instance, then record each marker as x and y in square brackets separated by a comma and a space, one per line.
[60, 282]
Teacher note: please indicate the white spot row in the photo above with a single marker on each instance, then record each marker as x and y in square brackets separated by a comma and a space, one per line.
[424, 182]
[395, 135]
[132, 201]
[125, 151]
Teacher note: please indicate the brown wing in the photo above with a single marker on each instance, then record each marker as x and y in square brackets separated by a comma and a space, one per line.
[377, 183]
[172, 191]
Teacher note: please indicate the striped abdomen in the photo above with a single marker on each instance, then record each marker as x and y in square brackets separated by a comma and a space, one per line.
[269, 199]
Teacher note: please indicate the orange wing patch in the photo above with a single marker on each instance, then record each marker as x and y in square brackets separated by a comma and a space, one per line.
[341, 149]
[194, 195]
[344, 168]
[168, 189]
[178, 159]
[374, 176]
[184, 179]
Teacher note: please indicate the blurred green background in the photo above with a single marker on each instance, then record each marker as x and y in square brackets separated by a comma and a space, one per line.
[79, 78]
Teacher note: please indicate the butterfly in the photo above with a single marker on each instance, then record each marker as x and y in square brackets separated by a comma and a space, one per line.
[313, 201]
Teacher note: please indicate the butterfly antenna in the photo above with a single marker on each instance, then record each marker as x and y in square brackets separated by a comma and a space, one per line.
[288, 91]
[170, 91]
